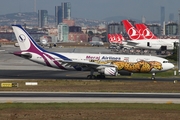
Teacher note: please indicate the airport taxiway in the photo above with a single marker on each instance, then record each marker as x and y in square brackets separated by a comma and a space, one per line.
[88, 97]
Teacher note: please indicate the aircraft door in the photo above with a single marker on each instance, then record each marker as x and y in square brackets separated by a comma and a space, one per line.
[148, 44]
[163, 47]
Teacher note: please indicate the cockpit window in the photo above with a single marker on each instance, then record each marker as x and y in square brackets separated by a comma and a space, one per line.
[165, 61]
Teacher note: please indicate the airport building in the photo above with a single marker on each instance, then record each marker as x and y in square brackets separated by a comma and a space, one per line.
[42, 18]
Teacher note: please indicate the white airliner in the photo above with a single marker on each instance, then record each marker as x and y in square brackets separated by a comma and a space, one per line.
[96, 43]
[105, 64]
[138, 40]
[43, 43]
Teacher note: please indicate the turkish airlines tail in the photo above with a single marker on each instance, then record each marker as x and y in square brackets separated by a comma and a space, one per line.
[115, 38]
[132, 32]
[145, 31]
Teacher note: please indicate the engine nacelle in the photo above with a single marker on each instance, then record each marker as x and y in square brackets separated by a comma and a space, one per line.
[125, 73]
[16, 44]
[54, 45]
[110, 71]
[44, 42]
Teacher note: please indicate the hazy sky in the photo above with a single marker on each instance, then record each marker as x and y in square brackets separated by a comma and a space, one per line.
[97, 9]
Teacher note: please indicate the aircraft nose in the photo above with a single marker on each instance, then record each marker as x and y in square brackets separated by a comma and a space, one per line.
[168, 66]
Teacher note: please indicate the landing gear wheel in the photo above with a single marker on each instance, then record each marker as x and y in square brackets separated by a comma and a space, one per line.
[91, 76]
[101, 76]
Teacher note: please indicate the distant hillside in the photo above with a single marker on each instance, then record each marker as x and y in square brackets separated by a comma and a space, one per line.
[119, 18]
[31, 18]
[18, 16]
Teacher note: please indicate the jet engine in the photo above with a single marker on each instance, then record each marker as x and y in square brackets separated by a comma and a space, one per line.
[125, 73]
[16, 44]
[54, 45]
[44, 42]
[109, 71]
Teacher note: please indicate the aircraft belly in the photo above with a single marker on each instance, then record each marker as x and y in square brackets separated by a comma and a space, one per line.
[139, 66]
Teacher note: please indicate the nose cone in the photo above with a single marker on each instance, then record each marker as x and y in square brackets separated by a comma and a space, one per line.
[167, 66]
[101, 43]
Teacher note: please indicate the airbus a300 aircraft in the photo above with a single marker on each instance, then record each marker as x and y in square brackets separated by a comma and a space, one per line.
[138, 40]
[105, 64]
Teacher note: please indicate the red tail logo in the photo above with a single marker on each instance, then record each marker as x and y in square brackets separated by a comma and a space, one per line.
[145, 31]
[110, 37]
[118, 37]
[115, 38]
[132, 31]
[133, 34]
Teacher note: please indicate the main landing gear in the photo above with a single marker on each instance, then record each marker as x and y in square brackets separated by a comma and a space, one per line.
[101, 76]
[91, 76]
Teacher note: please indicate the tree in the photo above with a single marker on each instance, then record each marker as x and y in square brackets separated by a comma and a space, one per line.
[174, 55]
[90, 33]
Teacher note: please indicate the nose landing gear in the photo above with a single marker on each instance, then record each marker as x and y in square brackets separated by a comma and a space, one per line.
[153, 76]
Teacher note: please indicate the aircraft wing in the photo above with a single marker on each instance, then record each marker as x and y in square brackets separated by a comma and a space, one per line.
[85, 63]
[132, 43]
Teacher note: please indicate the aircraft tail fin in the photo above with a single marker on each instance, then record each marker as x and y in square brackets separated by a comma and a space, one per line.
[120, 38]
[25, 41]
[132, 32]
[115, 38]
[145, 31]
[110, 38]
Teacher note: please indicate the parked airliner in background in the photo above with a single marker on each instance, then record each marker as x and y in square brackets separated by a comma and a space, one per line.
[96, 43]
[43, 43]
[115, 41]
[105, 64]
[138, 40]
[148, 34]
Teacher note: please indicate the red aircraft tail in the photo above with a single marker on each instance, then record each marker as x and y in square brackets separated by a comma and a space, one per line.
[145, 31]
[132, 32]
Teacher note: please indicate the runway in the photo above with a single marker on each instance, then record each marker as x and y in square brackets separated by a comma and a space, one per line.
[89, 97]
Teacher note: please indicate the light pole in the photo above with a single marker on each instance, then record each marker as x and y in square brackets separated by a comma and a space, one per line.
[178, 54]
